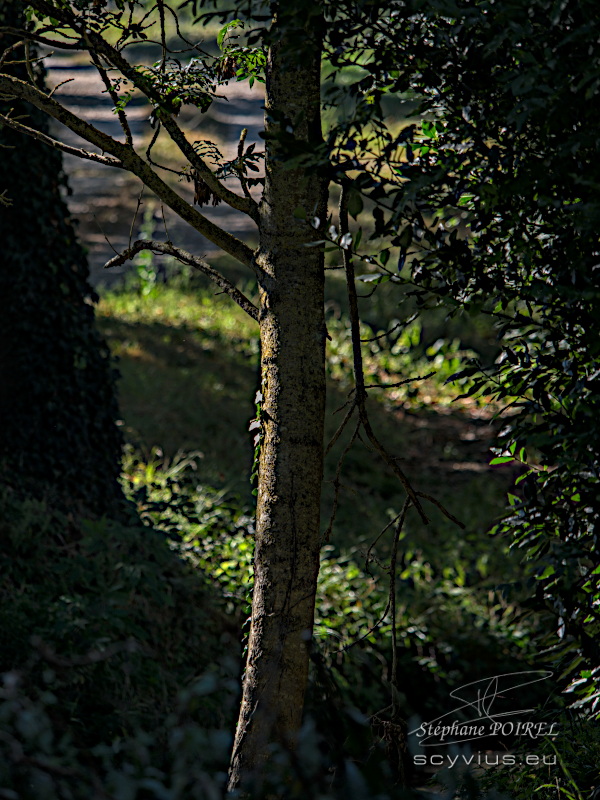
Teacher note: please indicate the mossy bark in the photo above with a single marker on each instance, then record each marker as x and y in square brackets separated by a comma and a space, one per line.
[293, 333]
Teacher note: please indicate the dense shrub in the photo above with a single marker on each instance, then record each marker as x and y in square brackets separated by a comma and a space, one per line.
[57, 394]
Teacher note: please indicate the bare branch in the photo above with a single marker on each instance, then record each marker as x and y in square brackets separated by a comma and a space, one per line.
[57, 145]
[359, 378]
[341, 427]
[96, 43]
[384, 334]
[444, 510]
[399, 383]
[114, 97]
[338, 471]
[12, 87]
[28, 62]
[34, 37]
[58, 85]
[187, 258]
[241, 176]
[392, 602]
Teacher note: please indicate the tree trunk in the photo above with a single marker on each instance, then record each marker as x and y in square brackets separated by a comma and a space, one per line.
[292, 330]
[59, 437]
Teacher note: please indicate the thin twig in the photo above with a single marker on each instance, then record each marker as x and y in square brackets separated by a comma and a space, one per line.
[187, 258]
[57, 145]
[336, 480]
[241, 175]
[102, 231]
[376, 540]
[34, 37]
[11, 48]
[137, 209]
[162, 211]
[369, 632]
[154, 163]
[359, 379]
[444, 510]
[114, 97]
[399, 383]
[341, 427]
[385, 333]
[163, 34]
[58, 85]
[28, 63]
[392, 601]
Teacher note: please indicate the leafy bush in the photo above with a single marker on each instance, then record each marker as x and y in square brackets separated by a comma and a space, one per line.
[117, 619]
[449, 620]
[106, 697]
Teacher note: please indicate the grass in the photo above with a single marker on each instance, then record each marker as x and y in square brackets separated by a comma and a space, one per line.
[189, 365]
[189, 371]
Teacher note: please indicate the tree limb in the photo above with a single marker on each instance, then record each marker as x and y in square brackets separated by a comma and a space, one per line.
[36, 37]
[13, 87]
[57, 145]
[187, 258]
[95, 42]
[359, 377]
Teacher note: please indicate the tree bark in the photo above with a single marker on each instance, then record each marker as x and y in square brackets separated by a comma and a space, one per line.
[292, 331]
[59, 441]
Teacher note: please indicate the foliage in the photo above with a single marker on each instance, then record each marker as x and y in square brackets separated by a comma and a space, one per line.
[121, 613]
[574, 751]
[186, 757]
[118, 620]
[519, 155]
[395, 359]
[444, 617]
[488, 200]
[57, 394]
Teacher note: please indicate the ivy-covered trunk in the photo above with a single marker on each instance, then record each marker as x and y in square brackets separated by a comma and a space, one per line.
[292, 332]
[59, 438]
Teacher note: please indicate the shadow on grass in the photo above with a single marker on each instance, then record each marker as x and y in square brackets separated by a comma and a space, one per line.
[188, 389]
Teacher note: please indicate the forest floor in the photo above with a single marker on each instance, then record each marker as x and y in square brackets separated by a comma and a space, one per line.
[189, 371]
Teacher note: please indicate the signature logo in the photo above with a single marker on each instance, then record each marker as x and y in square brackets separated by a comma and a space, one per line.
[485, 702]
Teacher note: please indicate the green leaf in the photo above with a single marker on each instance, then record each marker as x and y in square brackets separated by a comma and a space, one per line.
[501, 460]
[235, 23]
[300, 213]
[405, 237]
[546, 573]
[355, 203]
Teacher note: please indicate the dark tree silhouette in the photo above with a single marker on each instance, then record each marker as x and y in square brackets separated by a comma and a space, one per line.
[57, 388]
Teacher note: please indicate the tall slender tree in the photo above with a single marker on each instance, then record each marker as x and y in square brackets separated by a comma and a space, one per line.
[286, 48]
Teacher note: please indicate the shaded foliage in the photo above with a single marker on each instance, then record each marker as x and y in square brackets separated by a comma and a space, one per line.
[489, 201]
[117, 621]
[57, 400]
